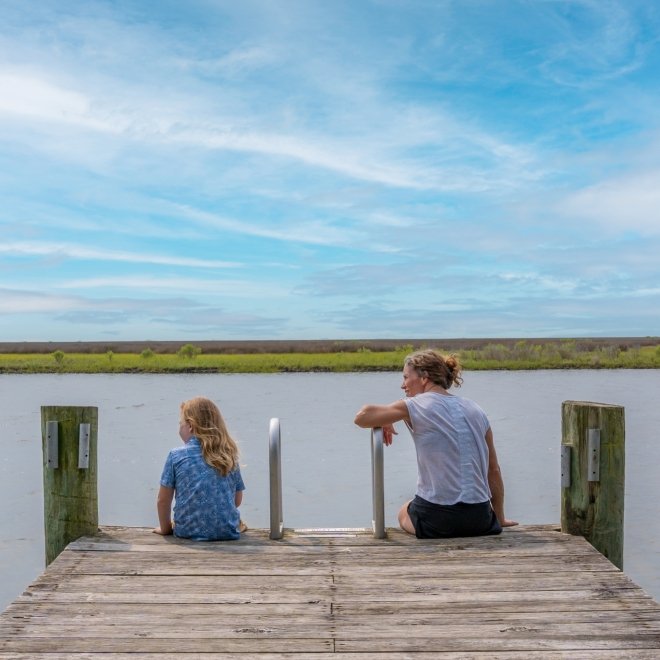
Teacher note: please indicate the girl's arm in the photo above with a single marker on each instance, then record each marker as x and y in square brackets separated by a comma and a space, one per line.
[164, 507]
[238, 499]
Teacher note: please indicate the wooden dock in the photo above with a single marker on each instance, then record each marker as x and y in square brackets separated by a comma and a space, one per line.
[532, 592]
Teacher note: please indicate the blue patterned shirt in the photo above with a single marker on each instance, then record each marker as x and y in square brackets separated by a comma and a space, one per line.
[204, 508]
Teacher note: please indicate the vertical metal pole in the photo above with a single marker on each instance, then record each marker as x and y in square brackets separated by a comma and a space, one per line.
[377, 483]
[275, 469]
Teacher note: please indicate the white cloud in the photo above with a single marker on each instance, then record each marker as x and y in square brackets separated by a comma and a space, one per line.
[234, 63]
[31, 97]
[21, 302]
[232, 288]
[646, 292]
[72, 251]
[47, 313]
[28, 98]
[542, 284]
[365, 150]
[312, 232]
[626, 204]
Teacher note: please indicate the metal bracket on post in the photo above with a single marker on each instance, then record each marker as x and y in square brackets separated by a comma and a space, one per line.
[565, 466]
[593, 447]
[83, 446]
[52, 445]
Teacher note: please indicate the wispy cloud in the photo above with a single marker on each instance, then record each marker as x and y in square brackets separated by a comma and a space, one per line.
[72, 251]
[237, 62]
[23, 301]
[30, 97]
[601, 41]
[314, 232]
[379, 153]
[183, 314]
[622, 205]
[197, 286]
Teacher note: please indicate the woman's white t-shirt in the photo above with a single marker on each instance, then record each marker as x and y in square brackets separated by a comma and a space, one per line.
[452, 455]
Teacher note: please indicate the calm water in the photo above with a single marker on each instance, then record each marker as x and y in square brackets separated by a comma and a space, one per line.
[326, 468]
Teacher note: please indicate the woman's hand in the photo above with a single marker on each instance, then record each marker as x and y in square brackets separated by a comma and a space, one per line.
[388, 434]
[508, 523]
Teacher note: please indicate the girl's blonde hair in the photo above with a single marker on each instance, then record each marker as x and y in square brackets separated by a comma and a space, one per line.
[443, 370]
[219, 449]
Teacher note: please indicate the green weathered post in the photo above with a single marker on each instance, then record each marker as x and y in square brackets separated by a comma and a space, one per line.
[593, 475]
[69, 441]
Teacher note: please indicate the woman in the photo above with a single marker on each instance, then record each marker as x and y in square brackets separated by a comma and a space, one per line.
[460, 491]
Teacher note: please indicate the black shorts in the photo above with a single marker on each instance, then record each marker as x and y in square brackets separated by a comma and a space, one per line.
[435, 521]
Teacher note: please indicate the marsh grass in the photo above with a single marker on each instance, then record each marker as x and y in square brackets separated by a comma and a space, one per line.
[562, 354]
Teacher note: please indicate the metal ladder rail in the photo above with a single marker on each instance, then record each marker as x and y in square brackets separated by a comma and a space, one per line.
[275, 469]
[377, 483]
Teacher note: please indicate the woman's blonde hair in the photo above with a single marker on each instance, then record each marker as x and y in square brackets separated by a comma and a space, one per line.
[443, 370]
[219, 449]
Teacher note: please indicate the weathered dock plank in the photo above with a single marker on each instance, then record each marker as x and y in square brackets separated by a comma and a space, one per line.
[530, 593]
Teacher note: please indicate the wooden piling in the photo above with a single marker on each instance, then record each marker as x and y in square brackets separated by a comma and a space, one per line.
[69, 439]
[592, 505]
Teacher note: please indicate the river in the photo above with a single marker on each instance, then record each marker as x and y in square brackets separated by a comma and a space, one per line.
[325, 458]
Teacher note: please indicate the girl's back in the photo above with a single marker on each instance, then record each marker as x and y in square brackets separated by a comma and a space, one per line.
[205, 508]
[202, 477]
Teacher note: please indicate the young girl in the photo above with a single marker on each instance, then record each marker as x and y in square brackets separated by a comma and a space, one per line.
[204, 476]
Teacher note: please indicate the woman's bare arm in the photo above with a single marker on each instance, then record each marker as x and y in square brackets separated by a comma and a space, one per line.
[496, 483]
[373, 415]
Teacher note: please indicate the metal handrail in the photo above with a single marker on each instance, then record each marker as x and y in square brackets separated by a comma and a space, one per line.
[275, 467]
[378, 483]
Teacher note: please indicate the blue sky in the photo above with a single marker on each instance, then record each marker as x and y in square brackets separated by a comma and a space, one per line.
[216, 169]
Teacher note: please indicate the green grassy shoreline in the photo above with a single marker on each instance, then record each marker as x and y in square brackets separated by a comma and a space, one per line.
[521, 355]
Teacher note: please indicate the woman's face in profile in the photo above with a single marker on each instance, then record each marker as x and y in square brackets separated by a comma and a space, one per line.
[412, 382]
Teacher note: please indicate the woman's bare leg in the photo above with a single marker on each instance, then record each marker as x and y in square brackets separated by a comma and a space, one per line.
[404, 519]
